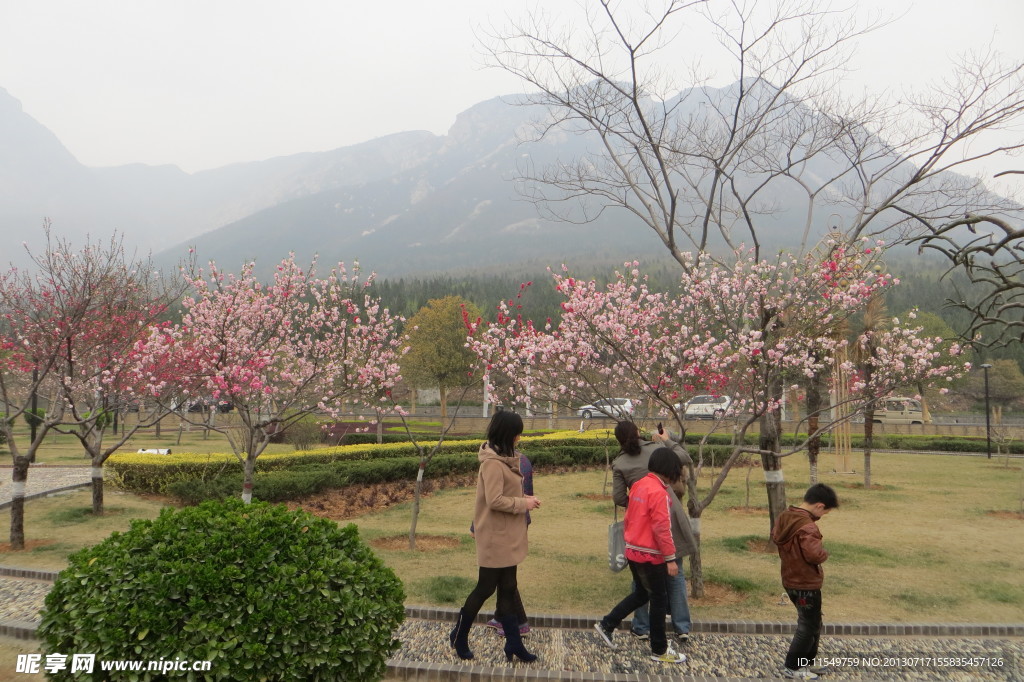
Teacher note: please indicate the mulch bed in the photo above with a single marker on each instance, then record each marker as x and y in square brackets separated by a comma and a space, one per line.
[1006, 515]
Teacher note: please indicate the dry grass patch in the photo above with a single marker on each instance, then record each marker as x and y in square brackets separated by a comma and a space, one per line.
[945, 547]
[58, 526]
[749, 511]
[424, 543]
[909, 556]
[1019, 516]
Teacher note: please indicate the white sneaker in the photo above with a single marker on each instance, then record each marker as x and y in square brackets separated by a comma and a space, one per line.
[670, 656]
[799, 674]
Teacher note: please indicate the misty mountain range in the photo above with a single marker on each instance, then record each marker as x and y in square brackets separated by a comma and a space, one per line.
[408, 203]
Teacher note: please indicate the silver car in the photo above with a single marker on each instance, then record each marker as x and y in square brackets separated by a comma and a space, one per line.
[616, 408]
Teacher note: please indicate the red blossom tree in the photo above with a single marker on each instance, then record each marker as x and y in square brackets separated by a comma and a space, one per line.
[69, 331]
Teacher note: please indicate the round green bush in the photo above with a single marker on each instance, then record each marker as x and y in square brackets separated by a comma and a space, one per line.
[262, 592]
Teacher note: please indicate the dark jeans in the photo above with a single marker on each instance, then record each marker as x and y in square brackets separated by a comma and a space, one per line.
[490, 579]
[804, 647]
[650, 583]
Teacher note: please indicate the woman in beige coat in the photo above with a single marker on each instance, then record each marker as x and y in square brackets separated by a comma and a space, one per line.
[500, 524]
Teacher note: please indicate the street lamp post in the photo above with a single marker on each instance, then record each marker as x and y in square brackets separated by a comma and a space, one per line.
[988, 423]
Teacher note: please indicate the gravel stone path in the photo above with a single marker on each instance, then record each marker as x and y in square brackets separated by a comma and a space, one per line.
[43, 479]
[722, 656]
[567, 653]
[22, 599]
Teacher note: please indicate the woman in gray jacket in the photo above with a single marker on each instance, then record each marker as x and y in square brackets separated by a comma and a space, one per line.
[500, 527]
[628, 468]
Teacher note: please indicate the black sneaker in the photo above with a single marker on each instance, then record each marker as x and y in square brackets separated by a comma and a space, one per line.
[683, 637]
[643, 636]
[606, 634]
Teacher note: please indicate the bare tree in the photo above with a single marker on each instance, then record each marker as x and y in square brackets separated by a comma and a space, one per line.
[703, 166]
[781, 150]
[992, 258]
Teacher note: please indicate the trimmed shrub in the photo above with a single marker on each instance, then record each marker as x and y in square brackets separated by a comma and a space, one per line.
[261, 592]
[282, 485]
[35, 417]
[304, 433]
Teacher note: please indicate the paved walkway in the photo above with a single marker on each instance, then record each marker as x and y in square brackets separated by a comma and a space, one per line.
[569, 649]
[44, 480]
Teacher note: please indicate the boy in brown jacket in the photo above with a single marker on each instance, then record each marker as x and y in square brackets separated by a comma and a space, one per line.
[799, 543]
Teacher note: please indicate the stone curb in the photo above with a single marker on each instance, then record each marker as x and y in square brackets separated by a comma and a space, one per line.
[721, 627]
[750, 627]
[30, 573]
[47, 493]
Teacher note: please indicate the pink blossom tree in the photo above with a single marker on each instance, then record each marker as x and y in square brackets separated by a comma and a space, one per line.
[897, 357]
[281, 351]
[749, 330]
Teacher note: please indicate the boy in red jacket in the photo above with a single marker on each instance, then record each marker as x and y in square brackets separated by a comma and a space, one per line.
[798, 540]
[651, 553]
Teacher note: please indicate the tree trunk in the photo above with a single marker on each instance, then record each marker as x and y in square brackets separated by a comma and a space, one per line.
[813, 411]
[771, 463]
[250, 474]
[444, 404]
[418, 491]
[97, 488]
[869, 444]
[696, 564]
[19, 475]
[380, 429]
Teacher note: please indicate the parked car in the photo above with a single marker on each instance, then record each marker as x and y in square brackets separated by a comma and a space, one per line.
[899, 411]
[705, 407]
[616, 408]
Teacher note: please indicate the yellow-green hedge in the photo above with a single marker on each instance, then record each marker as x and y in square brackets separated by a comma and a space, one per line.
[150, 473]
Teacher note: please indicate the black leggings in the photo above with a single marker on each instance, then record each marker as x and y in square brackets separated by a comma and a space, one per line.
[490, 579]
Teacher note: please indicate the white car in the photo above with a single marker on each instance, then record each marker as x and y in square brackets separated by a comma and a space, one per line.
[616, 408]
[705, 407]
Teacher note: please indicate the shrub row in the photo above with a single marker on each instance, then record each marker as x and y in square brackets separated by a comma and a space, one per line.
[287, 484]
[285, 476]
[888, 441]
[147, 473]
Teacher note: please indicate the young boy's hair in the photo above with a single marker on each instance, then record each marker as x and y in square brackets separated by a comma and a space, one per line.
[666, 462]
[819, 492]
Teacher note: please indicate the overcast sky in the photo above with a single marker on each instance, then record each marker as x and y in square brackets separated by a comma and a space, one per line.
[204, 83]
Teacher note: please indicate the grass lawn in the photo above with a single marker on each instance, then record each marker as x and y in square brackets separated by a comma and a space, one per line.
[61, 449]
[920, 547]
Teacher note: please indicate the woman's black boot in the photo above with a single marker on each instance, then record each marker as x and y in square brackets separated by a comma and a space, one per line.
[459, 636]
[514, 641]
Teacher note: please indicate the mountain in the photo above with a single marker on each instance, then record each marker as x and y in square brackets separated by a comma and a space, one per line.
[456, 207]
[408, 203]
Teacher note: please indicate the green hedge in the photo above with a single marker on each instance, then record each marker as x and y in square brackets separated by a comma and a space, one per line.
[278, 485]
[371, 438]
[287, 477]
[287, 484]
[152, 474]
